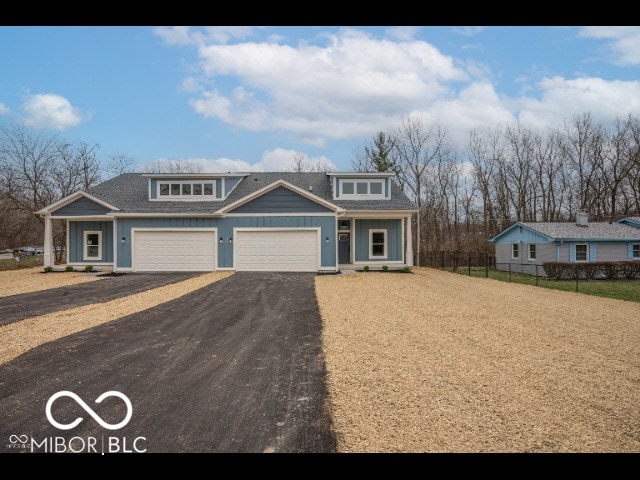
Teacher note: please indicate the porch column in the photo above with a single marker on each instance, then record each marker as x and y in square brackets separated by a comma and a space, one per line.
[48, 242]
[409, 243]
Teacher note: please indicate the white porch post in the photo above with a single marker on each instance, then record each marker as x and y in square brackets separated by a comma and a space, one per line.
[48, 242]
[409, 243]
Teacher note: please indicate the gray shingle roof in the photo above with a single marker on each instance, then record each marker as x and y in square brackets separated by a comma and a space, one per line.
[593, 230]
[129, 193]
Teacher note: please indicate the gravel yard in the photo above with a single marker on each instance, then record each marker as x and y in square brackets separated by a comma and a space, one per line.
[437, 362]
[440, 362]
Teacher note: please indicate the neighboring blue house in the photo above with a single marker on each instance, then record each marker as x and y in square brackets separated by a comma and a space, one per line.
[524, 245]
[292, 221]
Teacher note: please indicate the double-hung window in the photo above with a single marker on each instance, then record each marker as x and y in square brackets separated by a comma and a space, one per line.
[378, 244]
[92, 246]
[532, 251]
[635, 251]
[514, 251]
[582, 252]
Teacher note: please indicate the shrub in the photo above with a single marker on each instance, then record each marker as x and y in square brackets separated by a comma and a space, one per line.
[48, 269]
[366, 268]
[385, 268]
[69, 268]
[406, 269]
[88, 268]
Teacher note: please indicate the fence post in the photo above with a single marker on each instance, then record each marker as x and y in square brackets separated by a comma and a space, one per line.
[536, 275]
[469, 263]
[509, 271]
[575, 274]
[486, 274]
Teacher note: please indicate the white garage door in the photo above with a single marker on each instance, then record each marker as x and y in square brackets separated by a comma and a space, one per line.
[277, 250]
[175, 251]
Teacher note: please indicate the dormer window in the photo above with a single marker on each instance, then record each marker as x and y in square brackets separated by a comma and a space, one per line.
[361, 189]
[185, 190]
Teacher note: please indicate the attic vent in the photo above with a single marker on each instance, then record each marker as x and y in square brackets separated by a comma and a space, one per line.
[310, 188]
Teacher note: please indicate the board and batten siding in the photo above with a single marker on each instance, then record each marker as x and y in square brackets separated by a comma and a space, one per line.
[394, 239]
[76, 241]
[79, 208]
[281, 200]
[225, 228]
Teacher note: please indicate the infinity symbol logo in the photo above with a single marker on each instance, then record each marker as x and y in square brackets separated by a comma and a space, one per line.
[88, 409]
[18, 439]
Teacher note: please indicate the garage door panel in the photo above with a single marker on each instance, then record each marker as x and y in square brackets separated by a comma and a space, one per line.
[181, 251]
[280, 250]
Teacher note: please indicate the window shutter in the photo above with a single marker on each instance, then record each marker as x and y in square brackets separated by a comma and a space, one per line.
[592, 252]
[629, 250]
[572, 252]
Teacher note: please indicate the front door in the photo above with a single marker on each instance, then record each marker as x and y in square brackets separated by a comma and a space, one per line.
[344, 248]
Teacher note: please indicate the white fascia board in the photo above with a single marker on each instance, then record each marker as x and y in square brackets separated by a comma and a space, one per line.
[166, 215]
[194, 175]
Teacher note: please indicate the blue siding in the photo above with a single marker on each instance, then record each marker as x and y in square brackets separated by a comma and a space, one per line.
[592, 252]
[229, 183]
[281, 200]
[81, 207]
[225, 228]
[394, 239]
[76, 240]
[518, 233]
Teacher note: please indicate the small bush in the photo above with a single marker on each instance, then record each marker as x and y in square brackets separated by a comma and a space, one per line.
[385, 268]
[406, 269]
[48, 269]
[366, 268]
[69, 268]
[88, 268]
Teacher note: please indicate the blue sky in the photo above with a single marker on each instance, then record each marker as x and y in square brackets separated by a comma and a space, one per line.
[251, 98]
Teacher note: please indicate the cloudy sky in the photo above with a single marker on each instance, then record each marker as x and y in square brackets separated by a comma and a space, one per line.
[251, 98]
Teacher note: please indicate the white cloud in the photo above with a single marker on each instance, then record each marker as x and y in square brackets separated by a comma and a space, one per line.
[624, 45]
[188, 36]
[468, 31]
[4, 109]
[351, 87]
[278, 160]
[561, 98]
[50, 111]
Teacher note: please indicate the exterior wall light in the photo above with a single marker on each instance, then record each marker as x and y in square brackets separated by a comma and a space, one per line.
[326, 240]
[221, 240]
[123, 240]
[230, 240]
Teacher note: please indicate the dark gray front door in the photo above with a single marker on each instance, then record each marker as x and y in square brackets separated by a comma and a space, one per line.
[344, 248]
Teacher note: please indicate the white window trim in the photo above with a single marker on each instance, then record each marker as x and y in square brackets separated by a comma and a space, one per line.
[85, 256]
[576, 252]
[185, 198]
[361, 196]
[515, 246]
[529, 257]
[386, 242]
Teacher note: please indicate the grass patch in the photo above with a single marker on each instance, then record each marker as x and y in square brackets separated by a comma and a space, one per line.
[618, 289]
[25, 262]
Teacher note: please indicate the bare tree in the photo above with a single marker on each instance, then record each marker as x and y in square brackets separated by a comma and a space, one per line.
[415, 148]
[171, 166]
[119, 164]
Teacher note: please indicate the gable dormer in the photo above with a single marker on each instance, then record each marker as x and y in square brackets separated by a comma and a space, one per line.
[192, 186]
[361, 186]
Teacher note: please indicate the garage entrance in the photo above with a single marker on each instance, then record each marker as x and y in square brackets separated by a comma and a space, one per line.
[277, 250]
[174, 250]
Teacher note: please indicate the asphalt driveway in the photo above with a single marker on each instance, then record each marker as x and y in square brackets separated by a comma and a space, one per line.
[234, 367]
[109, 287]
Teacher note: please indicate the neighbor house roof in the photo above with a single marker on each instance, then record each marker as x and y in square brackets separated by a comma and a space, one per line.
[571, 231]
[129, 193]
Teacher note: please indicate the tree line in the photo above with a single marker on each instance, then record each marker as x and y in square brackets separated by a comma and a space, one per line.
[508, 174]
[463, 196]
